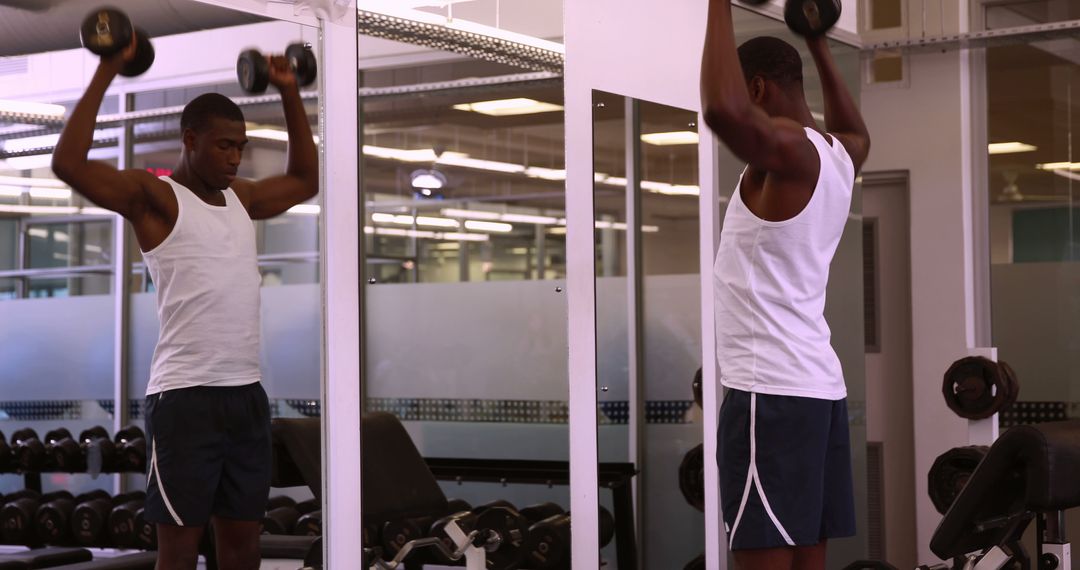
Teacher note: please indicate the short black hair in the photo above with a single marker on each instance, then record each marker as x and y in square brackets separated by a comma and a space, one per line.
[771, 58]
[200, 110]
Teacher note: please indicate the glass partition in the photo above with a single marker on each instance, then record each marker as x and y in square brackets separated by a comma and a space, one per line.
[648, 317]
[464, 263]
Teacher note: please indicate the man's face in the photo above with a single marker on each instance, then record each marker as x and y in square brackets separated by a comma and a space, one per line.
[216, 151]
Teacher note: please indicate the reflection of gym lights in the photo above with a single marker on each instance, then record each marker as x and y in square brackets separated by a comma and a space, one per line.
[33, 182]
[29, 108]
[273, 135]
[425, 234]
[545, 173]
[670, 138]
[403, 220]
[456, 159]
[474, 214]
[1009, 148]
[506, 107]
[428, 179]
[529, 219]
[496, 227]
[1059, 166]
[670, 189]
[49, 141]
[620, 226]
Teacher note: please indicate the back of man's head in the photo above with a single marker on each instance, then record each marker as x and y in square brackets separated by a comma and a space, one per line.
[773, 59]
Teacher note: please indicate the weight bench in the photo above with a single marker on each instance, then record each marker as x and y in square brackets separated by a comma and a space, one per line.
[43, 558]
[1029, 473]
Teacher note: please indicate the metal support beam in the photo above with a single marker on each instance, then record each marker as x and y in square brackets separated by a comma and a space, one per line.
[121, 286]
[635, 311]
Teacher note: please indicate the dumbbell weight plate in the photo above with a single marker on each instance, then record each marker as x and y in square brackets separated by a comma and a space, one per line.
[28, 450]
[309, 525]
[509, 530]
[548, 544]
[64, 453]
[281, 520]
[1012, 384]
[540, 511]
[123, 524]
[950, 472]
[465, 520]
[811, 18]
[974, 388]
[302, 61]
[17, 521]
[252, 71]
[144, 55]
[105, 31]
[692, 477]
[89, 522]
[145, 532]
[53, 521]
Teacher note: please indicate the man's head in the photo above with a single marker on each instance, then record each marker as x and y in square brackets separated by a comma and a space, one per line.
[773, 71]
[214, 135]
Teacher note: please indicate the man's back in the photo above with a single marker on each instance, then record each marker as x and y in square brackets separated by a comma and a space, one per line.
[769, 284]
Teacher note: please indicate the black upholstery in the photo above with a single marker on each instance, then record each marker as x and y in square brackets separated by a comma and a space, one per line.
[1029, 469]
[43, 558]
[297, 458]
[139, 561]
[397, 480]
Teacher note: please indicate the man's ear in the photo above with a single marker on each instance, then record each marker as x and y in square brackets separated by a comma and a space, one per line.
[188, 139]
[757, 89]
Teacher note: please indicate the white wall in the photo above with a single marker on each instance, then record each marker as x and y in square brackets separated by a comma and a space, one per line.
[920, 128]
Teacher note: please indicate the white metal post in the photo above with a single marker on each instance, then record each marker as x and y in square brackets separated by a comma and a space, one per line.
[581, 292]
[340, 267]
[709, 211]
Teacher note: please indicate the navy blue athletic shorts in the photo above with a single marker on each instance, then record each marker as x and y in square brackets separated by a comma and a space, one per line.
[209, 454]
[785, 470]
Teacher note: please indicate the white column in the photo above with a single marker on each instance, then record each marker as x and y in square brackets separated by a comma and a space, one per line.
[340, 262]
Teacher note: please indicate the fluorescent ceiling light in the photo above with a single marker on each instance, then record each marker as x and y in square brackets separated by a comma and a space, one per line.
[459, 236]
[518, 251]
[61, 210]
[29, 143]
[273, 135]
[507, 107]
[1010, 147]
[437, 222]
[454, 159]
[670, 189]
[671, 138]
[1059, 166]
[425, 234]
[488, 226]
[32, 162]
[428, 179]
[545, 173]
[529, 219]
[10, 191]
[305, 209]
[30, 108]
[51, 193]
[474, 214]
[38, 182]
[382, 218]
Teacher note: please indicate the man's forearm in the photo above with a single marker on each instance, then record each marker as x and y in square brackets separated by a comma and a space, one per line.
[842, 114]
[303, 159]
[78, 135]
[723, 87]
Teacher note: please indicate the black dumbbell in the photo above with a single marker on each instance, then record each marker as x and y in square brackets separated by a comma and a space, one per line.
[281, 520]
[53, 519]
[253, 69]
[62, 452]
[18, 516]
[107, 31]
[310, 524]
[396, 533]
[145, 532]
[122, 524]
[811, 18]
[607, 527]
[540, 511]
[28, 451]
[130, 445]
[467, 520]
[548, 545]
[7, 461]
[98, 450]
[89, 522]
[308, 506]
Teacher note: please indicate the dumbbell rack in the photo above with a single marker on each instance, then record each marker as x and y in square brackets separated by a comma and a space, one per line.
[614, 476]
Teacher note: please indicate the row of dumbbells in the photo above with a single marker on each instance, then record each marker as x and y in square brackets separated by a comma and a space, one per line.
[536, 537]
[93, 452]
[93, 519]
[285, 516]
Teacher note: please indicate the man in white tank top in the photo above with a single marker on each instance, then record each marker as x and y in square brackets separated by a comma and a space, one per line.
[783, 448]
[207, 416]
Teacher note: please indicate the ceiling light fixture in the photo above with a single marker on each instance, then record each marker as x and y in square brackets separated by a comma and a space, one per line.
[474, 214]
[670, 138]
[1059, 166]
[509, 107]
[31, 108]
[427, 179]
[496, 227]
[1010, 148]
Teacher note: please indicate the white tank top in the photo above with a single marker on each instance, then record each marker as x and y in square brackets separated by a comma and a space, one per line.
[769, 284]
[207, 282]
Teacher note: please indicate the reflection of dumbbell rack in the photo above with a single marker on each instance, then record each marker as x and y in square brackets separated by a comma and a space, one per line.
[614, 476]
[58, 451]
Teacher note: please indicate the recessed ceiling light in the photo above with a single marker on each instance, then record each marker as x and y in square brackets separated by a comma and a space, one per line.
[1010, 147]
[31, 108]
[1059, 166]
[506, 107]
[671, 138]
